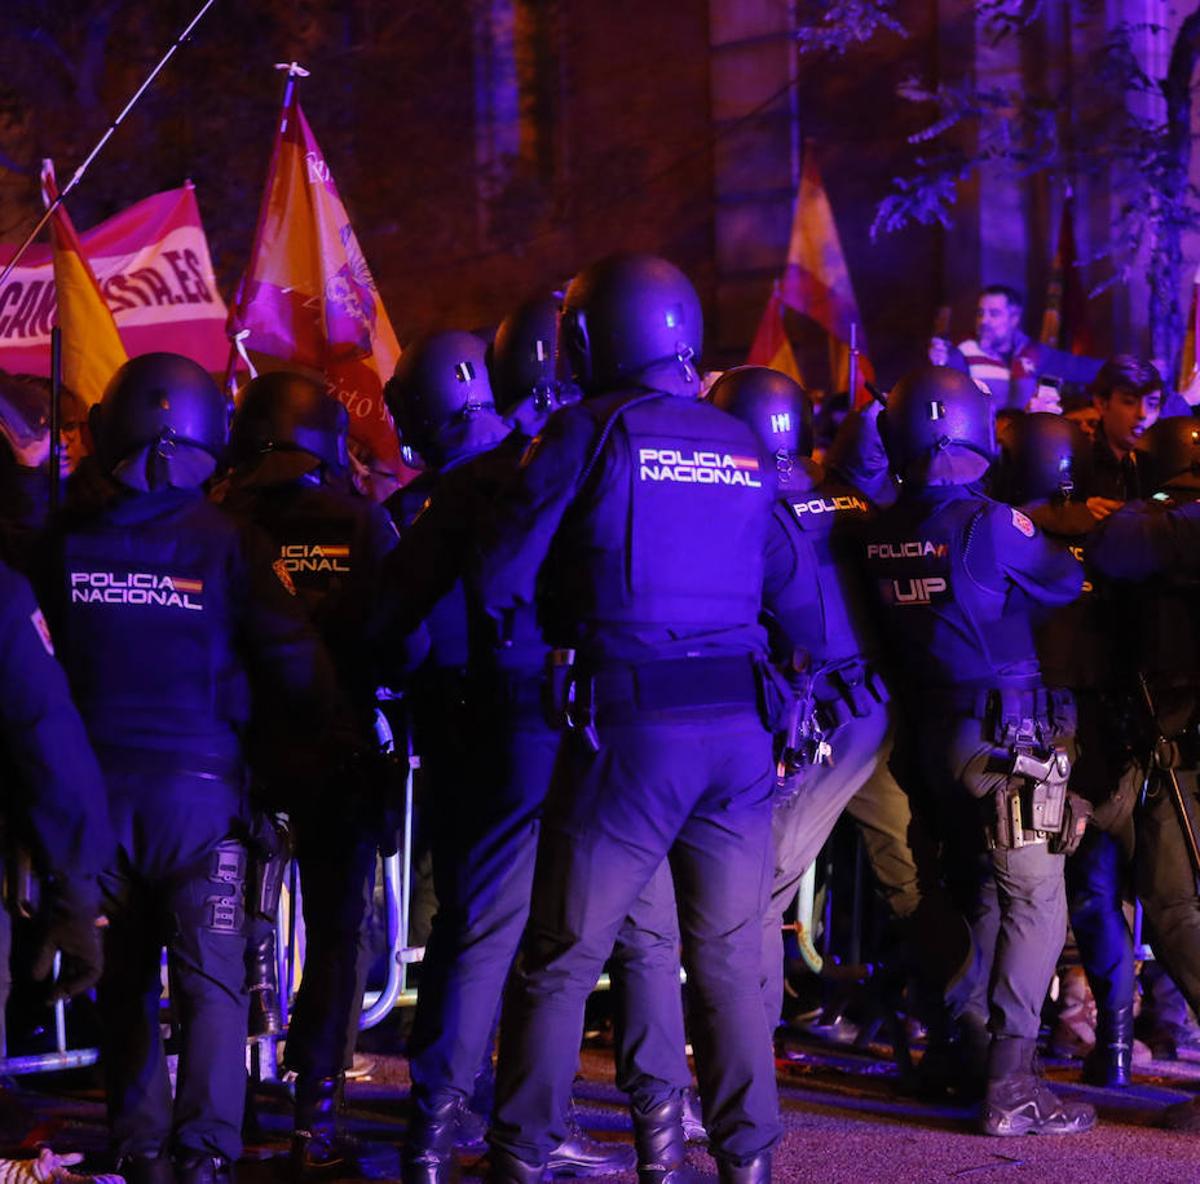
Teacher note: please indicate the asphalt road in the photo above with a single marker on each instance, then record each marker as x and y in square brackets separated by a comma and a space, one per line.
[846, 1118]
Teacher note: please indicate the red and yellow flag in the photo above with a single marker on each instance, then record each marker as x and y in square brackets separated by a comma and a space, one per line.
[771, 346]
[1188, 359]
[92, 351]
[816, 284]
[307, 296]
[1065, 320]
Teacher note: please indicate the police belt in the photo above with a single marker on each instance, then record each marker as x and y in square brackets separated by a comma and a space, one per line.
[173, 763]
[1005, 707]
[846, 690]
[618, 693]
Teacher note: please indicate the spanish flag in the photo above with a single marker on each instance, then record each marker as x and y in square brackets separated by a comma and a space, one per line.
[91, 346]
[771, 346]
[816, 285]
[1065, 319]
[1189, 358]
[307, 296]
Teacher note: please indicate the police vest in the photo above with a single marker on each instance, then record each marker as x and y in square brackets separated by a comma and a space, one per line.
[146, 630]
[1074, 643]
[945, 628]
[669, 528]
[827, 522]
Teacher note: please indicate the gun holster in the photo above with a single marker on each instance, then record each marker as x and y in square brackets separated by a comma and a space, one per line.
[569, 702]
[1033, 807]
[269, 850]
[800, 742]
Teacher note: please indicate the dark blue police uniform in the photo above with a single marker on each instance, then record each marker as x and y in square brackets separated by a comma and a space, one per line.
[486, 832]
[1155, 544]
[330, 542]
[637, 526]
[817, 603]
[958, 578]
[163, 606]
[54, 797]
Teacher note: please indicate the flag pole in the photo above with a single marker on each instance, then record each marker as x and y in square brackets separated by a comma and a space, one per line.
[237, 347]
[112, 127]
[853, 372]
[55, 413]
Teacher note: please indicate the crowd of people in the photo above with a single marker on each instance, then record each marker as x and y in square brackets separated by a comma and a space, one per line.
[650, 647]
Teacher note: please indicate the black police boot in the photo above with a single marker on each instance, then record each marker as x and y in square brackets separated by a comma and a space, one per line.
[1110, 1063]
[204, 1169]
[261, 981]
[316, 1149]
[757, 1171]
[504, 1168]
[146, 1169]
[428, 1155]
[661, 1146]
[1018, 1102]
[581, 1155]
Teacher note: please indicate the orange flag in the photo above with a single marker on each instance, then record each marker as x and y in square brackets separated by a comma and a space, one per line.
[771, 346]
[307, 296]
[92, 351]
[816, 284]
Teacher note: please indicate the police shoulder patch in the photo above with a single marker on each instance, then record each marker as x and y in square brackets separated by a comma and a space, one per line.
[1023, 524]
[42, 630]
[284, 576]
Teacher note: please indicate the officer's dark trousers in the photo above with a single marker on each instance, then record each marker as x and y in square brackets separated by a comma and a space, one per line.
[336, 855]
[898, 849]
[1166, 884]
[695, 786]
[1099, 873]
[1015, 900]
[801, 826]
[179, 880]
[484, 850]
[1096, 877]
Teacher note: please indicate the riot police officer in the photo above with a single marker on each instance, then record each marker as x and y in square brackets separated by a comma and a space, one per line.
[525, 367]
[55, 803]
[161, 605]
[957, 575]
[637, 526]
[288, 449]
[818, 608]
[484, 810]
[1149, 550]
[1046, 472]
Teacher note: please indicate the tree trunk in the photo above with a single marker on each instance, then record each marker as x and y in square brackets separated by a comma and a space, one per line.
[1166, 259]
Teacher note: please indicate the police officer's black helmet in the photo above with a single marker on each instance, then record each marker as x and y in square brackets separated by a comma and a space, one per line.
[160, 397]
[438, 381]
[1173, 446]
[628, 315]
[1049, 458]
[524, 356]
[771, 403]
[288, 412]
[934, 409]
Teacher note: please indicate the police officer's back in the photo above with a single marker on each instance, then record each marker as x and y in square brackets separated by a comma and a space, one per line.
[637, 526]
[288, 448]
[163, 606]
[958, 578]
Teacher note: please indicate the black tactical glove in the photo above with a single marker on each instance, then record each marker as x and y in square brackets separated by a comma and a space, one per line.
[69, 923]
[1076, 813]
